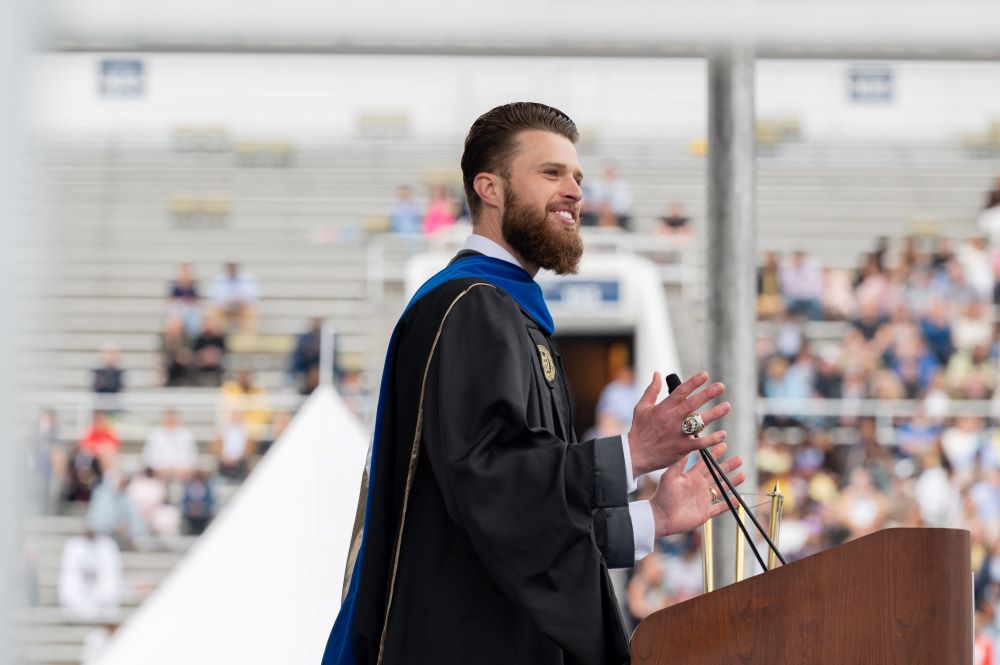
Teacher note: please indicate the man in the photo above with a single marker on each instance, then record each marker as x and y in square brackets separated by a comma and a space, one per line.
[171, 449]
[234, 295]
[488, 529]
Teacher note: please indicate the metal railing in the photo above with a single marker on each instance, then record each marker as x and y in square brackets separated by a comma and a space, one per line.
[884, 412]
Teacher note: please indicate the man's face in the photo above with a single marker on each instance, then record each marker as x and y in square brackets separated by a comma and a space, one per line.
[541, 212]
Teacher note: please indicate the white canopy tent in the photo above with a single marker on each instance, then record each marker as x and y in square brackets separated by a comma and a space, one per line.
[263, 584]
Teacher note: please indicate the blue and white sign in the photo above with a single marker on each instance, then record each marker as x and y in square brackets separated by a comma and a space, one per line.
[870, 84]
[121, 77]
[582, 294]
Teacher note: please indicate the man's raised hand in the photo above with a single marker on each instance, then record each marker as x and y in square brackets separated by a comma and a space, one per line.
[656, 440]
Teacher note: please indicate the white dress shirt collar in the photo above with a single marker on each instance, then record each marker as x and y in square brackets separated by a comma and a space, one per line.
[487, 247]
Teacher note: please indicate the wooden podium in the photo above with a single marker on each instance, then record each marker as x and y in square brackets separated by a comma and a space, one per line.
[896, 596]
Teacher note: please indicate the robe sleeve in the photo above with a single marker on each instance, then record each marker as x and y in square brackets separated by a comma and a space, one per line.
[539, 511]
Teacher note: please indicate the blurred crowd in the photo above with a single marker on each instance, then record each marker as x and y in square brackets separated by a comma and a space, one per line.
[151, 496]
[913, 324]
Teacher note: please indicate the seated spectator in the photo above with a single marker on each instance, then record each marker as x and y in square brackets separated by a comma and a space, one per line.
[606, 217]
[170, 449]
[910, 255]
[90, 578]
[971, 374]
[198, 504]
[612, 192]
[913, 363]
[769, 300]
[976, 262]
[279, 423]
[789, 338]
[235, 295]
[111, 512]
[918, 436]
[675, 222]
[828, 380]
[605, 424]
[989, 218]
[963, 444]
[861, 508]
[942, 255]
[242, 394]
[938, 499]
[936, 330]
[209, 353]
[232, 447]
[647, 590]
[838, 297]
[183, 301]
[406, 215]
[303, 366]
[869, 319]
[149, 496]
[972, 328]
[951, 285]
[620, 396]
[107, 376]
[801, 282]
[441, 212]
[83, 473]
[177, 355]
[100, 441]
[352, 390]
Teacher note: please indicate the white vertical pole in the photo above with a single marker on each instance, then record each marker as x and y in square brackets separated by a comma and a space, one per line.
[15, 40]
[730, 261]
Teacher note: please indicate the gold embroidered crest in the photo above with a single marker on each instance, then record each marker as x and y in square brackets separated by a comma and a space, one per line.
[548, 367]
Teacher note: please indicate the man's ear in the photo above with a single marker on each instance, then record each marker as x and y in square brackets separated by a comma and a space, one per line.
[489, 188]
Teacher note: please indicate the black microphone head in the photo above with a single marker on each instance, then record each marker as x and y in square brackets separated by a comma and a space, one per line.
[672, 382]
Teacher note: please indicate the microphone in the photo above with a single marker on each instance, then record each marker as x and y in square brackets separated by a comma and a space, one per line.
[673, 381]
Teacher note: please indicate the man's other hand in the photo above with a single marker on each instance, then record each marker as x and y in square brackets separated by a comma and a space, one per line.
[684, 499]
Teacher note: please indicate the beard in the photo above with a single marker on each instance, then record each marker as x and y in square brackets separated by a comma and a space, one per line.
[530, 232]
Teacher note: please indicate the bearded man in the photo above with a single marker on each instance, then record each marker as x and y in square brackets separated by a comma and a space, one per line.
[485, 530]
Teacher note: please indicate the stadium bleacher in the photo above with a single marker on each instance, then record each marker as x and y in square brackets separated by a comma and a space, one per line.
[109, 239]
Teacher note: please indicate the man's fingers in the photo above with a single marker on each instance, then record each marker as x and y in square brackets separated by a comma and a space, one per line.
[718, 508]
[738, 478]
[731, 464]
[652, 391]
[682, 391]
[716, 412]
[697, 400]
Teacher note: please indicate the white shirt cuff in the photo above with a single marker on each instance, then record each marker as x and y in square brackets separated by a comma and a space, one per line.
[630, 483]
[643, 529]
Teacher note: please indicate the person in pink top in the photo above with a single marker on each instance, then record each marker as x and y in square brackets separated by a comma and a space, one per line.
[440, 211]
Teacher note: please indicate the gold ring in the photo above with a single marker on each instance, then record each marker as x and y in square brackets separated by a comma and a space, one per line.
[715, 493]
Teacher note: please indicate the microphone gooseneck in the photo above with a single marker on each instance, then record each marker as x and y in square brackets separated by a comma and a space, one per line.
[718, 475]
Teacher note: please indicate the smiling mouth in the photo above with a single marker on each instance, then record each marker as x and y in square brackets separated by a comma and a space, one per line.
[566, 216]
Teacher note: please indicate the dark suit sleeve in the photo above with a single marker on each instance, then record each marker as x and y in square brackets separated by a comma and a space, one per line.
[612, 520]
[537, 510]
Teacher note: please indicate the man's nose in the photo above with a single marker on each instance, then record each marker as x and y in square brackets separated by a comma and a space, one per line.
[572, 190]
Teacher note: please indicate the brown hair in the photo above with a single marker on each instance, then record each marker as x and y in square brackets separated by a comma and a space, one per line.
[492, 140]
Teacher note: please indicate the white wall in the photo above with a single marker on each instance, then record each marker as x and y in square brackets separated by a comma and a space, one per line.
[317, 98]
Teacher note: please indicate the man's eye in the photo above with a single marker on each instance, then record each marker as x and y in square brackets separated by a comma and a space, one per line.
[551, 172]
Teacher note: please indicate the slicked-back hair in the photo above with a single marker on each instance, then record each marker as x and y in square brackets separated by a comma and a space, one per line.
[492, 140]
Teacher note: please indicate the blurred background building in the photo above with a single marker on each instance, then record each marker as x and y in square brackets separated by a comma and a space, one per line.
[229, 213]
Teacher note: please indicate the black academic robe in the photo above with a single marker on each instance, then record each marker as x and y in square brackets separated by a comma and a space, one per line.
[511, 524]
